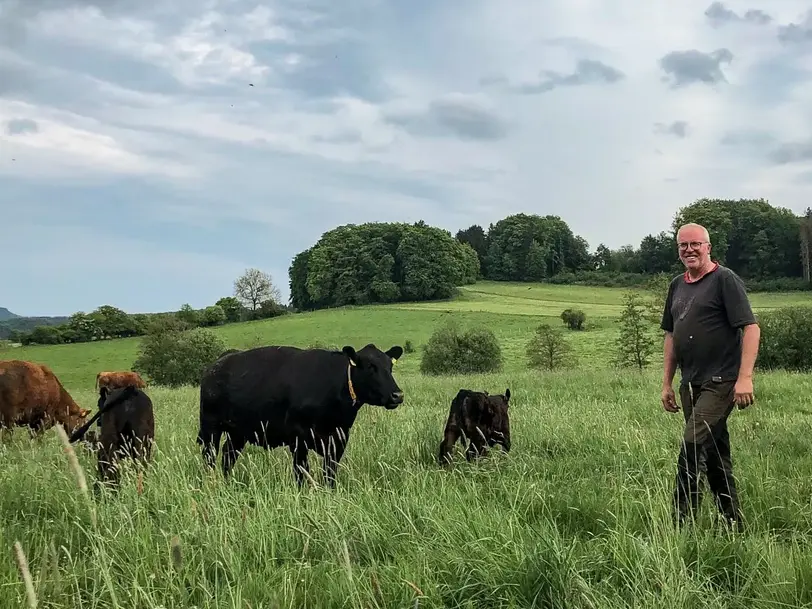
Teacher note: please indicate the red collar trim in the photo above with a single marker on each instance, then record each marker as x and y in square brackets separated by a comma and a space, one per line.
[689, 279]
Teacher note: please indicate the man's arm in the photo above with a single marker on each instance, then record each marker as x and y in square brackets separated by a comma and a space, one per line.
[751, 334]
[669, 360]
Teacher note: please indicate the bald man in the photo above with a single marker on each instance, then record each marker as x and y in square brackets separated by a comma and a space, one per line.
[712, 335]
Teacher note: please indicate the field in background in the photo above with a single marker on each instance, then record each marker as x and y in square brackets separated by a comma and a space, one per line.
[511, 310]
[575, 516]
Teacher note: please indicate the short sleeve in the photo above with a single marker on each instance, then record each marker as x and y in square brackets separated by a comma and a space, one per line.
[737, 304]
[667, 322]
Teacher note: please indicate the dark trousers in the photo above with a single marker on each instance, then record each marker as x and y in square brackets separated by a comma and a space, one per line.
[706, 446]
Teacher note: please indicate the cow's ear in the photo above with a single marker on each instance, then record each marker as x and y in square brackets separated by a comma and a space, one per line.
[394, 353]
[350, 352]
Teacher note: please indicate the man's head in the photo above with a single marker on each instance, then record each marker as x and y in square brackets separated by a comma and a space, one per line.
[694, 247]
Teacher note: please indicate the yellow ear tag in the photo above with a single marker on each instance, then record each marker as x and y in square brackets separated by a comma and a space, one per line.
[394, 360]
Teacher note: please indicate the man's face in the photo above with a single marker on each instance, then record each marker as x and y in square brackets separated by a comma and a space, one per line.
[693, 247]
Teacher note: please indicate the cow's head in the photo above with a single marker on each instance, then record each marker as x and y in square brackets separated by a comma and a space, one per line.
[372, 375]
[75, 419]
[495, 419]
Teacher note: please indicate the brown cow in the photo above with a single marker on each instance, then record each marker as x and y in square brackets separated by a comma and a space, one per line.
[127, 429]
[117, 380]
[31, 394]
[480, 417]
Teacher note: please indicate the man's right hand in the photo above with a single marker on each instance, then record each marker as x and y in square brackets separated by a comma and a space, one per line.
[669, 399]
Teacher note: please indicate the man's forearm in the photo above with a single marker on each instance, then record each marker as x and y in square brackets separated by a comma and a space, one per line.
[669, 360]
[750, 339]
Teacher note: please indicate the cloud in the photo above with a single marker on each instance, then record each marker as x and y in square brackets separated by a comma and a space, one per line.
[586, 72]
[677, 128]
[19, 126]
[209, 136]
[718, 14]
[797, 33]
[454, 114]
[693, 66]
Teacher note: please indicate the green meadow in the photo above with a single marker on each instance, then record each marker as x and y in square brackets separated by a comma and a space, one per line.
[576, 515]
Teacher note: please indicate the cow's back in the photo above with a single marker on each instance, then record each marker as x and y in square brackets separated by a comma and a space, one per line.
[27, 391]
[261, 384]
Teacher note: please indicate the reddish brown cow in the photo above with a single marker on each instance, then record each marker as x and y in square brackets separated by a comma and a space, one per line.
[31, 394]
[119, 380]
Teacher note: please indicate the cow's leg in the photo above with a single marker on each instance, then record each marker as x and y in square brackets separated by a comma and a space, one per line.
[208, 437]
[450, 436]
[232, 448]
[298, 451]
[107, 464]
[336, 443]
[477, 446]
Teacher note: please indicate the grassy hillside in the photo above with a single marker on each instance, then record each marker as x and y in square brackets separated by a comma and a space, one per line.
[512, 311]
[575, 516]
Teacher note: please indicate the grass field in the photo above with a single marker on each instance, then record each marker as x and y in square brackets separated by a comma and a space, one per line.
[575, 516]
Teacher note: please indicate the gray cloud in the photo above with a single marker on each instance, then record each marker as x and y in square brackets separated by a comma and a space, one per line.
[587, 72]
[718, 14]
[791, 152]
[678, 128]
[452, 115]
[753, 139]
[797, 33]
[20, 126]
[693, 66]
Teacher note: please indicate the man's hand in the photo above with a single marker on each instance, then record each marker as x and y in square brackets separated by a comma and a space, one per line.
[668, 399]
[743, 392]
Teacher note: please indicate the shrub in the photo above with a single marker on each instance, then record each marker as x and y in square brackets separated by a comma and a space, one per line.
[213, 316]
[173, 357]
[635, 342]
[408, 347]
[786, 339]
[573, 318]
[549, 349]
[451, 351]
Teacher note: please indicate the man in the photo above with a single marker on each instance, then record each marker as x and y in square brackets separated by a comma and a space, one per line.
[712, 335]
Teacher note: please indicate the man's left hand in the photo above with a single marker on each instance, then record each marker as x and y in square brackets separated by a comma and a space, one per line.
[743, 392]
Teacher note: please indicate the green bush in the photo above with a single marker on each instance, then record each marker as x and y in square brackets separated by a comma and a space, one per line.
[172, 357]
[452, 351]
[786, 339]
[548, 349]
[573, 318]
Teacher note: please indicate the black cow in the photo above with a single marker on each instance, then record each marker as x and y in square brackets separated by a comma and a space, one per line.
[305, 399]
[127, 428]
[480, 417]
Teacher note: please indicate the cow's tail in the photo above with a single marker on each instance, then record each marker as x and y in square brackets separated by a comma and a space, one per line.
[96, 386]
[129, 391]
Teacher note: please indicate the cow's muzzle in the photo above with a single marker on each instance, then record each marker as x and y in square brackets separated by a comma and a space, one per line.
[395, 400]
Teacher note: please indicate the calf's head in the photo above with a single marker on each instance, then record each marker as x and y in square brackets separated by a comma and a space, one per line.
[372, 375]
[495, 419]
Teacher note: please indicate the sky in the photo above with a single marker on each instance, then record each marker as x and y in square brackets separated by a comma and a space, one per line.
[149, 155]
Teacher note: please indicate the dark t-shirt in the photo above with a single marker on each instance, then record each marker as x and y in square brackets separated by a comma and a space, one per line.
[706, 318]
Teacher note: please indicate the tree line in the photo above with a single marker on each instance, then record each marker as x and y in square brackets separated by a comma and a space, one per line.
[768, 246]
[380, 262]
[386, 262]
[255, 297]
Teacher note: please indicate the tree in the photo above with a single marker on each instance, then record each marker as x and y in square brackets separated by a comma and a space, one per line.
[806, 245]
[231, 307]
[253, 287]
[634, 343]
[548, 349]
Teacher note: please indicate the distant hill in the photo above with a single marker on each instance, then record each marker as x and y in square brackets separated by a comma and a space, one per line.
[9, 322]
[6, 314]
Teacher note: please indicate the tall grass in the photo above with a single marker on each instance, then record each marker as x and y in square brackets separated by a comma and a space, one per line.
[577, 515]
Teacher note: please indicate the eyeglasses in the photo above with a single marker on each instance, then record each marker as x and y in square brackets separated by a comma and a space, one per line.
[694, 245]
